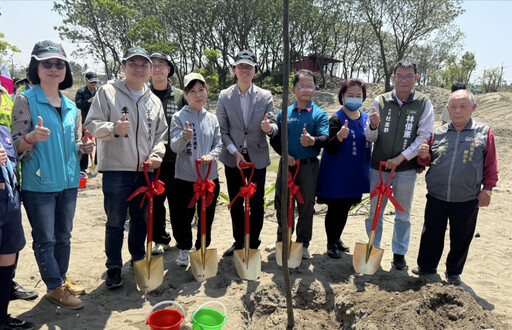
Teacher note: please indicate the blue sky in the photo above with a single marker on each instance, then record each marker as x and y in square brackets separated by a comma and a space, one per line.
[487, 25]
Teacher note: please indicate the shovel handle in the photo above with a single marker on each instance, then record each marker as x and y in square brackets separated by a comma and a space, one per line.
[290, 199]
[198, 162]
[244, 165]
[208, 303]
[167, 302]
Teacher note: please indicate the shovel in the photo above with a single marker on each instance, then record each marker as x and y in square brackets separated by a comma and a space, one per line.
[149, 272]
[367, 257]
[247, 260]
[87, 136]
[294, 249]
[203, 262]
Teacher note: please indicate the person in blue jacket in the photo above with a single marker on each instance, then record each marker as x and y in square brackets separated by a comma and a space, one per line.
[345, 166]
[46, 132]
[12, 238]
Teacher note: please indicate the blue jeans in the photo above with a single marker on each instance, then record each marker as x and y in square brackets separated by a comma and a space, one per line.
[117, 187]
[51, 217]
[403, 191]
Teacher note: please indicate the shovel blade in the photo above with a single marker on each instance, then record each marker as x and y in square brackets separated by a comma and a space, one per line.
[204, 269]
[294, 256]
[149, 274]
[367, 258]
[248, 268]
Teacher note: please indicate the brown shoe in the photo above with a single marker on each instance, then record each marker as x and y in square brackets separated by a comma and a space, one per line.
[74, 288]
[64, 298]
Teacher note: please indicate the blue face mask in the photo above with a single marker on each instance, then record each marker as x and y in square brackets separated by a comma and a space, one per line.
[353, 103]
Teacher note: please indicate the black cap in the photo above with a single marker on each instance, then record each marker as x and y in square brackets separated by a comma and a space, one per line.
[136, 51]
[245, 56]
[164, 57]
[91, 77]
[47, 49]
[20, 80]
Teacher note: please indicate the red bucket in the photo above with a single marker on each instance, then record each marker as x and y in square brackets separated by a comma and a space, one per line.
[165, 319]
[82, 182]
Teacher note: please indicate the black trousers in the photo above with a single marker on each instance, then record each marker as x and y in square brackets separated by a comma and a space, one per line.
[160, 235]
[336, 216]
[234, 182]
[462, 217]
[182, 222]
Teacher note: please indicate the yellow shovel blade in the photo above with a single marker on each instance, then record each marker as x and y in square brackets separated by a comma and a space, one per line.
[248, 265]
[294, 256]
[149, 274]
[367, 258]
[203, 268]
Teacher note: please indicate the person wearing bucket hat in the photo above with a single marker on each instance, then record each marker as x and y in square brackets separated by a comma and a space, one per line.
[46, 132]
[173, 99]
[129, 125]
[83, 99]
[194, 134]
[246, 117]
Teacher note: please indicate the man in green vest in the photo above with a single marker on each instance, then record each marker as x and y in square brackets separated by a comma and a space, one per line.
[399, 123]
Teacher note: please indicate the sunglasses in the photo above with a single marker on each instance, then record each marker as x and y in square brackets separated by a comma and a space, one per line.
[48, 65]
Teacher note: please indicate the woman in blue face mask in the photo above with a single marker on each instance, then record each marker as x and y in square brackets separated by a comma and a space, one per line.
[345, 167]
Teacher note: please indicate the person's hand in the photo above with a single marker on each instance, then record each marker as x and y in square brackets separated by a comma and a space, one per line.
[238, 158]
[374, 119]
[122, 126]
[423, 150]
[391, 164]
[306, 139]
[343, 132]
[86, 145]
[266, 126]
[483, 199]
[154, 163]
[3, 156]
[291, 161]
[206, 159]
[40, 133]
[187, 133]
[91, 99]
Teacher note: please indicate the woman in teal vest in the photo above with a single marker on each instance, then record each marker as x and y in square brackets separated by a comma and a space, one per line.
[46, 133]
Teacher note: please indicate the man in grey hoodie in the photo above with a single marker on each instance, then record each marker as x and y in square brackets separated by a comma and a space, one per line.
[129, 124]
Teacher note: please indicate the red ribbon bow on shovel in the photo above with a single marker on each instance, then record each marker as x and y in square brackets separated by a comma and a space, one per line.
[383, 189]
[293, 189]
[153, 188]
[203, 187]
[250, 187]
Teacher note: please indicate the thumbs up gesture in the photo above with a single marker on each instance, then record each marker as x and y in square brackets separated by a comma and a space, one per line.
[187, 133]
[343, 132]
[266, 126]
[374, 119]
[40, 133]
[122, 126]
[424, 149]
[306, 139]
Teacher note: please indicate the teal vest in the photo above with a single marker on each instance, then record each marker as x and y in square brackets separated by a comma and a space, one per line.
[54, 164]
[398, 128]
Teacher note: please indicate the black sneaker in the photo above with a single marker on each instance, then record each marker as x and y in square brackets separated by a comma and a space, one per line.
[333, 252]
[114, 279]
[13, 323]
[229, 252]
[421, 272]
[398, 262]
[453, 279]
[19, 292]
[341, 246]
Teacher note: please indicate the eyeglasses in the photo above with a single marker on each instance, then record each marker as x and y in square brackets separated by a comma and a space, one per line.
[160, 67]
[58, 65]
[136, 67]
[304, 88]
[406, 78]
[244, 67]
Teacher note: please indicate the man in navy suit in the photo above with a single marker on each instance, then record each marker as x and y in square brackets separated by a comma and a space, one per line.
[246, 116]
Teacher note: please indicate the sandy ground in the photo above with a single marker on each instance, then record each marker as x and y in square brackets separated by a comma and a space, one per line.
[327, 294]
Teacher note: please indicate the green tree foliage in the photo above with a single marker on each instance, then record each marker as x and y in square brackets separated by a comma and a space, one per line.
[492, 80]
[458, 71]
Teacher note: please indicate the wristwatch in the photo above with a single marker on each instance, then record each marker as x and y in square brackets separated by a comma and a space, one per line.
[488, 192]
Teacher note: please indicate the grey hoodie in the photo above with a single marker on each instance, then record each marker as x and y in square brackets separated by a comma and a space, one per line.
[206, 141]
[147, 137]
